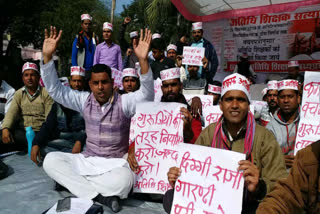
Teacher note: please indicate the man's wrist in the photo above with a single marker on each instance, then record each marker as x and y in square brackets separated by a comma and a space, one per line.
[46, 59]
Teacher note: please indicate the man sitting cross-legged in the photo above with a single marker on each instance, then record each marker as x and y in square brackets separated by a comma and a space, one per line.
[100, 172]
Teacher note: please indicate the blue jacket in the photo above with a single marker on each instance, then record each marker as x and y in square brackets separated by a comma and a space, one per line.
[89, 53]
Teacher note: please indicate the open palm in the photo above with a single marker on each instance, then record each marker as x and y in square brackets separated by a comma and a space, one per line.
[51, 41]
[141, 50]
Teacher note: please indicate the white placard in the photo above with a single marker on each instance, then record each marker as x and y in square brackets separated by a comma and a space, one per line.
[192, 55]
[211, 115]
[206, 100]
[258, 105]
[309, 124]
[157, 90]
[117, 78]
[158, 132]
[209, 181]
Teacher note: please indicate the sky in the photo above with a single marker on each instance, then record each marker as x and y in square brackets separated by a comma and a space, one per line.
[119, 4]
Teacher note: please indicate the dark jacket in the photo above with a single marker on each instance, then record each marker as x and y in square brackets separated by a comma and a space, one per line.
[211, 55]
[300, 191]
[60, 119]
[157, 66]
[129, 61]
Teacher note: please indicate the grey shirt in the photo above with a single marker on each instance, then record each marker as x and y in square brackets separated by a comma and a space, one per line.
[194, 83]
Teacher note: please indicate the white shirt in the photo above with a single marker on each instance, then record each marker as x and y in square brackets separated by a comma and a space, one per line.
[6, 96]
[75, 100]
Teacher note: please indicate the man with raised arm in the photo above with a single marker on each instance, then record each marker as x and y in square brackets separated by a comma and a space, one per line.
[100, 173]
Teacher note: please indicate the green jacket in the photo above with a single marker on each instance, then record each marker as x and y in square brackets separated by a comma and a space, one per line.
[266, 156]
[28, 112]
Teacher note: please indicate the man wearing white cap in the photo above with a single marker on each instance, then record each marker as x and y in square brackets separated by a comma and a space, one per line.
[30, 106]
[108, 53]
[193, 80]
[272, 101]
[130, 80]
[294, 72]
[244, 68]
[210, 52]
[214, 90]
[264, 94]
[172, 54]
[101, 172]
[285, 123]
[64, 129]
[161, 62]
[172, 51]
[77, 75]
[84, 45]
[130, 57]
[237, 131]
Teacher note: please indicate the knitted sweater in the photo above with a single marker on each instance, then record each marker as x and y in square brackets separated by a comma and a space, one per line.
[28, 112]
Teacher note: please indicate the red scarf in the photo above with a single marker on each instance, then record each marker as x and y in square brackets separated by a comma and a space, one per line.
[220, 139]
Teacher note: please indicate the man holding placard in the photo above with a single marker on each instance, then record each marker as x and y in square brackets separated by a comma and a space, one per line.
[285, 123]
[236, 130]
[193, 81]
[172, 54]
[209, 53]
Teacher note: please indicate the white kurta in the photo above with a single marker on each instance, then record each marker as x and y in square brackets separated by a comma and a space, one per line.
[88, 177]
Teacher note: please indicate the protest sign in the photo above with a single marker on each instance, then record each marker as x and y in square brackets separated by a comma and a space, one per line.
[157, 90]
[212, 115]
[192, 56]
[206, 100]
[132, 129]
[117, 78]
[209, 181]
[271, 40]
[158, 132]
[309, 124]
[258, 105]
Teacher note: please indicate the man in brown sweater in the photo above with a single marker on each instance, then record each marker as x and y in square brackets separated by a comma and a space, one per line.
[300, 191]
[30, 106]
[237, 131]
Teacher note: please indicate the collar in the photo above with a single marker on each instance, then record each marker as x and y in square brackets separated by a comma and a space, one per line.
[240, 133]
[34, 95]
[200, 41]
[104, 43]
[280, 116]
